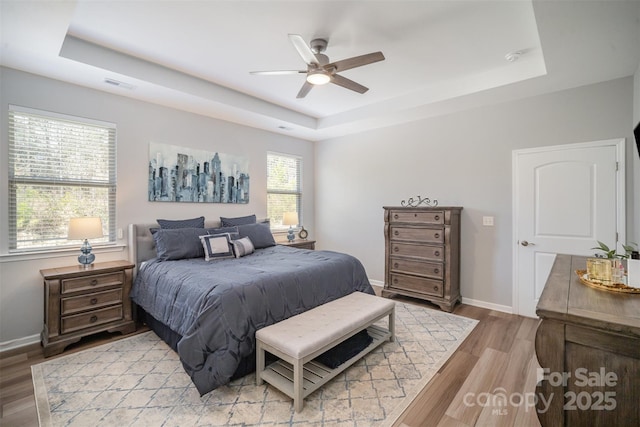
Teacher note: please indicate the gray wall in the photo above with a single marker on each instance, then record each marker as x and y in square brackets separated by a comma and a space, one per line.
[462, 159]
[138, 123]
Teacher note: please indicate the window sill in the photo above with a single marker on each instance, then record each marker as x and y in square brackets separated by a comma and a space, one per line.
[58, 253]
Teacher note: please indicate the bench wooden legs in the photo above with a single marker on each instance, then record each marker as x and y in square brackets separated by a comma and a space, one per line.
[298, 386]
[260, 362]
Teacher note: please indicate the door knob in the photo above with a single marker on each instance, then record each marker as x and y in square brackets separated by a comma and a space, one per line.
[525, 243]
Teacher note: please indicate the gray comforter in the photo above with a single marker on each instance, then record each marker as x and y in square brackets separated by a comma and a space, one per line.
[217, 306]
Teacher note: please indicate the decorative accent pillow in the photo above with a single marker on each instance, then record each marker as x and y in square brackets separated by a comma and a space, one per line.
[181, 223]
[179, 243]
[259, 233]
[217, 246]
[240, 220]
[242, 247]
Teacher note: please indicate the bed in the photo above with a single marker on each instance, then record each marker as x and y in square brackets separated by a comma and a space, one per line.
[209, 311]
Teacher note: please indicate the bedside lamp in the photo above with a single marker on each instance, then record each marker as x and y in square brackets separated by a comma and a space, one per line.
[290, 219]
[83, 229]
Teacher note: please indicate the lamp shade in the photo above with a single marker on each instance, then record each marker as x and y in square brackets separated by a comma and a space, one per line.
[84, 228]
[290, 218]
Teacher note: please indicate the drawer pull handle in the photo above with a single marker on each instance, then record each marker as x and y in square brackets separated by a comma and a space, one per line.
[395, 249]
[395, 233]
[94, 301]
[437, 253]
[93, 319]
[435, 288]
[436, 270]
[437, 217]
[395, 265]
[94, 282]
[395, 281]
[395, 216]
[437, 235]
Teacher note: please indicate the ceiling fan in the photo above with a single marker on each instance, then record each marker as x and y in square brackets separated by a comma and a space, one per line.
[319, 70]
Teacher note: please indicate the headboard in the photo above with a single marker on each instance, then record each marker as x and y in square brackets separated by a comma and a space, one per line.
[141, 245]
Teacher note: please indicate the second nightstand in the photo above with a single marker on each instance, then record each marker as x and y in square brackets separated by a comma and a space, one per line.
[82, 301]
[302, 244]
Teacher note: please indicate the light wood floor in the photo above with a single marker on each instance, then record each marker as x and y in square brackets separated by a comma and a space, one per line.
[497, 357]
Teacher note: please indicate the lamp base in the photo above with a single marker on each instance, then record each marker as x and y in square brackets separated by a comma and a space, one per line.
[87, 258]
[291, 235]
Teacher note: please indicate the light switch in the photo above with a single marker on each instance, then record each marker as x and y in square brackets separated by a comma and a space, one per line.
[120, 234]
[487, 221]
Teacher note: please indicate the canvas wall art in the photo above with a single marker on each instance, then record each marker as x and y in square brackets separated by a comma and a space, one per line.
[179, 174]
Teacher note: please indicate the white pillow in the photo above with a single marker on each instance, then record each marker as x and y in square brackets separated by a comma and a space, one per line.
[242, 247]
[217, 246]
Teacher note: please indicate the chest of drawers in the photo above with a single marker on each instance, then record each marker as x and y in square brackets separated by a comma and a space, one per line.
[79, 302]
[422, 254]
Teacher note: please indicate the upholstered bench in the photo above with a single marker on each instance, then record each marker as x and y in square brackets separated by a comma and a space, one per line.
[296, 341]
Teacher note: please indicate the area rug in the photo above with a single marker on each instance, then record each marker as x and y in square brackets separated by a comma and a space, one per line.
[139, 381]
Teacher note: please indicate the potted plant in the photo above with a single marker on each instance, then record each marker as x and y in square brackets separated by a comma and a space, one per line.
[612, 253]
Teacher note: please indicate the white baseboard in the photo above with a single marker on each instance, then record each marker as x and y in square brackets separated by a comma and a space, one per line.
[468, 301]
[20, 342]
[487, 305]
[377, 283]
[32, 339]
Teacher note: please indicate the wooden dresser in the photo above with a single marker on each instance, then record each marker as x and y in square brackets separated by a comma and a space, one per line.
[81, 301]
[422, 254]
[588, 342]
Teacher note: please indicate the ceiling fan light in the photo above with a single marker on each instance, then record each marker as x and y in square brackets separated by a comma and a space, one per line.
[318, 78]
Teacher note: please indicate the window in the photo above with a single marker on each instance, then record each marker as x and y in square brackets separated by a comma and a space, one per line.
[284, 188]
[60, 167]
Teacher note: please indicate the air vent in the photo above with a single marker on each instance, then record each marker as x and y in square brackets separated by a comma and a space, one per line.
[513, 56]
[119, 84]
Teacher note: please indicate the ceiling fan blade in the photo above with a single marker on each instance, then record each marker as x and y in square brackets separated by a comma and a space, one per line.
[348, 84]
[278, 72]
[304, 90]
[356, 61]
[303, 49]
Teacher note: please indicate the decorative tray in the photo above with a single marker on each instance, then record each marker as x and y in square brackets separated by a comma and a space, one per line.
[614, 287]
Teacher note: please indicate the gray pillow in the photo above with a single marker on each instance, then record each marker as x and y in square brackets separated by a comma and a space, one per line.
[181, 223]
[239, 220]
[259, 234]
[179, 243]
[232, 231]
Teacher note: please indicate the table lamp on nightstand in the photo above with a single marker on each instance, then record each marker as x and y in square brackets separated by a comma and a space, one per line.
[290, 219]
[85, 228]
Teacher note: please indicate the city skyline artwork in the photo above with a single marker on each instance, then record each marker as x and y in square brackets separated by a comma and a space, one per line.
[180, 174]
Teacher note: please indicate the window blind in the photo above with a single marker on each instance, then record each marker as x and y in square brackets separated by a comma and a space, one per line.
[60, 167]
[284, 187]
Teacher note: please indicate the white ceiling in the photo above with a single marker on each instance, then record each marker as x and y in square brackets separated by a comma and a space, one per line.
[441, 56]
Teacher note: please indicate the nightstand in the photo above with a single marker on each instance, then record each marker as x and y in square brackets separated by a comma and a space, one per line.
[82, 301]
[302, 244]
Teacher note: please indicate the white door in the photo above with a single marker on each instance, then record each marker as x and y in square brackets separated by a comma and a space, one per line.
[565, 198]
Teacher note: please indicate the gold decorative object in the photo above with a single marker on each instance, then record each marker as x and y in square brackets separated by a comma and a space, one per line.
[607, 286]
[602, 269]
